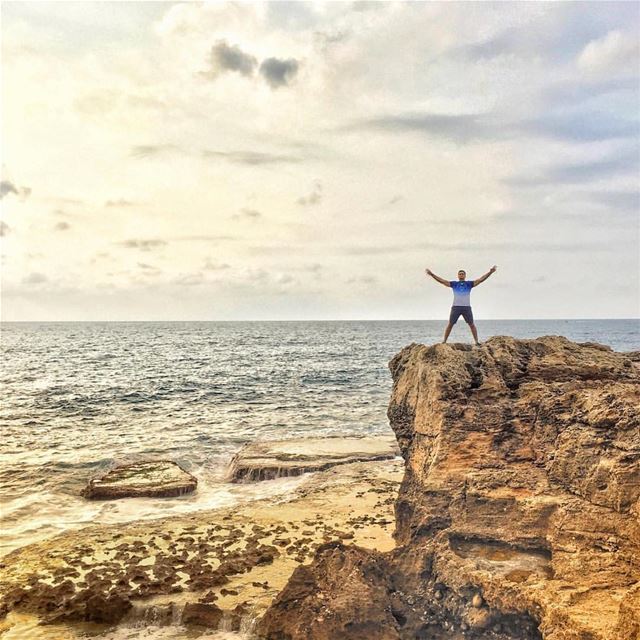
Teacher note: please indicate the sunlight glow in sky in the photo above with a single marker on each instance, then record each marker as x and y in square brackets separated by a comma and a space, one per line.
[308, 160]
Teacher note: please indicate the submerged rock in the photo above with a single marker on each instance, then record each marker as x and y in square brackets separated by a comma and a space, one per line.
[518, 516]
[279, 458]
[154, 479]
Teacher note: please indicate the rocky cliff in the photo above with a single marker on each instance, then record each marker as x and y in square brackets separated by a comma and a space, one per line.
[518, 516]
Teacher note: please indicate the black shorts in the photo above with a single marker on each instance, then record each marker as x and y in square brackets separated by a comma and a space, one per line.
[465, 312]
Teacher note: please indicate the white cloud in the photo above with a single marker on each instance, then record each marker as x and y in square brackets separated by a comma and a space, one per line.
[616, 52]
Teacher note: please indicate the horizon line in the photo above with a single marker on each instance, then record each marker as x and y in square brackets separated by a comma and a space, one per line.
[336, 320]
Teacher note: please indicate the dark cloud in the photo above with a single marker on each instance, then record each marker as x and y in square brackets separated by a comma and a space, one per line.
[118, 203]
[457, 128]
[4, 228]
[313, 198]
[143, 245]
[7, 187]
[62, 226]
[225, 58]
[277, 72]
[575, 126]
[253, 158]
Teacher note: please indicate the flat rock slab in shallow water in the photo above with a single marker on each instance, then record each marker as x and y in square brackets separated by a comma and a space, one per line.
[155, 479]
[278, 458]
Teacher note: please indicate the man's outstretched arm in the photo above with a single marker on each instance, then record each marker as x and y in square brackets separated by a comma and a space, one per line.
[485, 276]
[446, 283]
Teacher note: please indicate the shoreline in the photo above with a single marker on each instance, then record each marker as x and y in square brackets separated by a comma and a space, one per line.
[250, 549]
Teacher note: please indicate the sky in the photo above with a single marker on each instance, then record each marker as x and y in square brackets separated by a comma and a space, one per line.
[308, 160]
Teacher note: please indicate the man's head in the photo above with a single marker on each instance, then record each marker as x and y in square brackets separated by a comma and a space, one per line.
[462, 274]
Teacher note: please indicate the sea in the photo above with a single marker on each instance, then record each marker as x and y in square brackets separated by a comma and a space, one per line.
[81, 397]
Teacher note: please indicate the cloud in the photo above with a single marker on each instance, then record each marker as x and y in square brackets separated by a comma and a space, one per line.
[580, 126]
[148, 267]
[7, 187]
[392, 249]
[313, 198]
[279, 73]
[251, 158]
[458, 128]
[118, 203]
[4, 229]
[35, 278]
[203, 238]
[65, 200]
[247, 214]
[143, 245]
[614, 52]
[151, 150]
[225, 58]
[190, 279]
[62, 226]
[617, 199]
[572, 173]
[366, 280]
[576, 126]
[209, 265]
[61, 212]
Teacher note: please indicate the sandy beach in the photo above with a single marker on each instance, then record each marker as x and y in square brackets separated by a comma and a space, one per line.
[187, 574]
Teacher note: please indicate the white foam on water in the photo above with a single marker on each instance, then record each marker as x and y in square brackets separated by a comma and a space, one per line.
[42, 515]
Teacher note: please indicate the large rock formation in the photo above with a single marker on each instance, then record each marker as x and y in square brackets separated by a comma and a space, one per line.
[518, 516]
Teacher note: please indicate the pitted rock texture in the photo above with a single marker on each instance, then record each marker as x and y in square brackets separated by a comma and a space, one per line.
[149, 479]
[518, 515]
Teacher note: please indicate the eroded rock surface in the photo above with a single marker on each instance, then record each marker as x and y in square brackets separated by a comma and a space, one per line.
[279, 458]
[518, 514]
[150, 479]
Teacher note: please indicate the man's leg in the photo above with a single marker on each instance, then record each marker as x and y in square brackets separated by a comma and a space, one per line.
[468, 316]
[453, 318]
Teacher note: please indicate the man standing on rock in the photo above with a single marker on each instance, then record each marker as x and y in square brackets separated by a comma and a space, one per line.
[461, 299]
